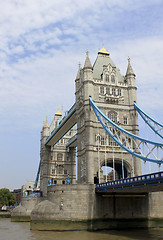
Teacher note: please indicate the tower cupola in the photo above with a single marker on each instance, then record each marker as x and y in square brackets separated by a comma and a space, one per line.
[103, 50]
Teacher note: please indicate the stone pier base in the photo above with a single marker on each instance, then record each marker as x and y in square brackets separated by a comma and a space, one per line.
[22, 213]
[78, 207]
[94, 225]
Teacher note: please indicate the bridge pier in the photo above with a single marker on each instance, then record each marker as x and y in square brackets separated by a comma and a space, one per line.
[78, 207]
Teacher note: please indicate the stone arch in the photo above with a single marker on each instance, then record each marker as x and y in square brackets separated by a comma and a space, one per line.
[118, 167]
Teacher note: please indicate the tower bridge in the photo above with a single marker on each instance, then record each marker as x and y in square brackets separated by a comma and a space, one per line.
[100, 130]
[105, 128]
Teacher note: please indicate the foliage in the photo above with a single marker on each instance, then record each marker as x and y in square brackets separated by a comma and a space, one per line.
[6, 197]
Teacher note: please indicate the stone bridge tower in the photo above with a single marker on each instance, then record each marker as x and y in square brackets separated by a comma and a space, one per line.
[114, 94]
[58, 163]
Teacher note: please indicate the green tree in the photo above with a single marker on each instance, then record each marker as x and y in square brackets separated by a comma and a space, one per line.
[6, 197]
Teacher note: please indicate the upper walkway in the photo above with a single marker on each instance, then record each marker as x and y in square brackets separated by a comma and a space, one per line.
[146, 183]
[67, 122]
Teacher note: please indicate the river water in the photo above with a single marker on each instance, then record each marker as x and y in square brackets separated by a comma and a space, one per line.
[21, 231]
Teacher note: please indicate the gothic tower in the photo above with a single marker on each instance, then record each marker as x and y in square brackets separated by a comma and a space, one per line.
[58, 162]
[114, 94]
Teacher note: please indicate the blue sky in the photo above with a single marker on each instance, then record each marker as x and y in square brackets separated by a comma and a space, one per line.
[41, 43]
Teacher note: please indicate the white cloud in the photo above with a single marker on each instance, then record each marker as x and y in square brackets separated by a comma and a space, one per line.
[146, 58]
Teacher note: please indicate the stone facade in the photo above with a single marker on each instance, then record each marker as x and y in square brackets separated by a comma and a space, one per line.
[114, 94]
[58, 163]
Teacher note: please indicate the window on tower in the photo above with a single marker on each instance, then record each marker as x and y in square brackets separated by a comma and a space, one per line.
[113, 116]
[125, 120]
[107, 78]
[53, 171]
[119, 92]
[102, 141]
[113, 91]
[60, 169]
[59, 157]
[112, 78]
[112, 142]
[108, 91]
[102, 90]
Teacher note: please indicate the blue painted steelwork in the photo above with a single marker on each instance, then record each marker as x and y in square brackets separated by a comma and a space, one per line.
[37, 176]
[98, 113]
[143, 115]
[34, 194]
[139, 181]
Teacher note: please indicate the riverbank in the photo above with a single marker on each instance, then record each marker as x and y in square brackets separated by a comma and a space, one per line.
[5, 214]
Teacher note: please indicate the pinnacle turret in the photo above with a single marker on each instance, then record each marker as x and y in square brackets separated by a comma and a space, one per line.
[129, 69]
[46, 125]
[78, 74]
[87, 61]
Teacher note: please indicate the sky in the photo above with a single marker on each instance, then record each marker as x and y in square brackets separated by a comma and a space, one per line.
[41, 44]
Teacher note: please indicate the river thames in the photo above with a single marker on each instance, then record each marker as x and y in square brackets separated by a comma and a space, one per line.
[21, 231]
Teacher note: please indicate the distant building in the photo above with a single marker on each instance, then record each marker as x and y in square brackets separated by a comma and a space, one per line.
[28, 188]
[18, 194]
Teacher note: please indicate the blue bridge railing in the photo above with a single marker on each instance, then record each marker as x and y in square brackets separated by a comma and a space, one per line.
[138, 181]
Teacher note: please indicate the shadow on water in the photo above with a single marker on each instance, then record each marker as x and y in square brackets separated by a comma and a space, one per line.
[136, 234]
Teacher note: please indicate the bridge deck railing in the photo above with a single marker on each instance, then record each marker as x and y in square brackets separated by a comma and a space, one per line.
[138, 180]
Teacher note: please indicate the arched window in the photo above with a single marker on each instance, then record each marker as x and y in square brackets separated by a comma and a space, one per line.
[108, 91]
[113, 91]
[102, 90]
[119, 92]
[107, 78]
[59, 157]
[113, 116]
[112, 78]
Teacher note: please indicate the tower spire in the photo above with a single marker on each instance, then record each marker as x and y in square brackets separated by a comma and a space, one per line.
[46, 122]
[78, 74]
[87, 61]
[129, 69]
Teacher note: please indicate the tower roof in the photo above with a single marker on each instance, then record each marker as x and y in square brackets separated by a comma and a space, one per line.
[87, 61]
[129, 68]
[103, 59]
